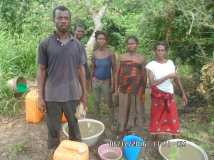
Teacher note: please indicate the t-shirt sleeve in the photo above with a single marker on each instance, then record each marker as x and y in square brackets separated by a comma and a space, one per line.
[42, 54]
[149, 66]
[172, 65]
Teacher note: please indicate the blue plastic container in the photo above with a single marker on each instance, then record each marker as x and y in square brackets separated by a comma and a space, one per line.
[133, 146]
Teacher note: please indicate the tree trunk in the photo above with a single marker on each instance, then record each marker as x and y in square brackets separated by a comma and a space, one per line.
[97, 17]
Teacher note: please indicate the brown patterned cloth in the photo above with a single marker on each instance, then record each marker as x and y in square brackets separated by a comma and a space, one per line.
[131, 101]
[131, 78]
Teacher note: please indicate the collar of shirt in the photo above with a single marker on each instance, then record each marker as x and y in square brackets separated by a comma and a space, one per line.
[57, 36]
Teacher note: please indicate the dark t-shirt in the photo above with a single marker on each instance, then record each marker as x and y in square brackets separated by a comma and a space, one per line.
[62, 62]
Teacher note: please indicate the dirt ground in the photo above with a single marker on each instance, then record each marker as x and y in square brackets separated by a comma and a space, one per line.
[20, 140]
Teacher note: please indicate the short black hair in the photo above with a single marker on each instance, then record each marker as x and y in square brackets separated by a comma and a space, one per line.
[132, 37]
[80, 26]
[161, 43]
[60, 8]
[97, 33]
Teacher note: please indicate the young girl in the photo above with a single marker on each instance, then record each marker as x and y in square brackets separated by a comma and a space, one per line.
[131, 82]
[161, 71]
[103, 69]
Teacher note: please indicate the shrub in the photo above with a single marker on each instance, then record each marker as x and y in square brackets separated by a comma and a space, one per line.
[206, 87]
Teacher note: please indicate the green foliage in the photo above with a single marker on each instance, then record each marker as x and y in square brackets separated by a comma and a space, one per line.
[13, 13]
[17, 56]
[121, 21]
[184, 25]
[206, 87]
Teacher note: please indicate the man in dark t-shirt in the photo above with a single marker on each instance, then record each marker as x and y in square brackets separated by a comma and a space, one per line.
[61, 78]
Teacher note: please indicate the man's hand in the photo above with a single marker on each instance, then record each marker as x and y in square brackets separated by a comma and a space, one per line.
[42, 106]
[84, 100]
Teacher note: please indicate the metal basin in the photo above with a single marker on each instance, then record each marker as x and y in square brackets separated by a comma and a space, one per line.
[180, 149]
[90, 130]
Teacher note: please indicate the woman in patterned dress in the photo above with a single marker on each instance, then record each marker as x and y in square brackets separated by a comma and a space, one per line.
[131, 82]
[161, 71]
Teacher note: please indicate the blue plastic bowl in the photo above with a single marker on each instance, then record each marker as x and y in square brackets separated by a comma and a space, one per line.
[133, 146]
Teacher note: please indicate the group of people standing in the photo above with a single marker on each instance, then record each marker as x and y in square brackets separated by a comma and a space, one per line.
[127, 77]
[64, 75]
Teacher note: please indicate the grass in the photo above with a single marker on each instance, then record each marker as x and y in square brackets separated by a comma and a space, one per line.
[17, 58]
[16, 149]
[200, 133]
[9, 105]
[90, 102]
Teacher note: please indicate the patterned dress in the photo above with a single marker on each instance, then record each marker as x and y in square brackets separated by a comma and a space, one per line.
[130, 84]
[164, 116]
[131, 78]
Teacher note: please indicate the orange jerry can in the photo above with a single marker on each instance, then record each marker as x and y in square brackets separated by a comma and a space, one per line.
[71, 150]
[64, 119]
[32, 112]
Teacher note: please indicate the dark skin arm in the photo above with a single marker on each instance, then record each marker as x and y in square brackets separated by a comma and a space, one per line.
[144, 81]
[42, 75]
[113, 72]
[179, 84]
[82, 80]
[144, 73]
[92, 68]
[117, 76]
